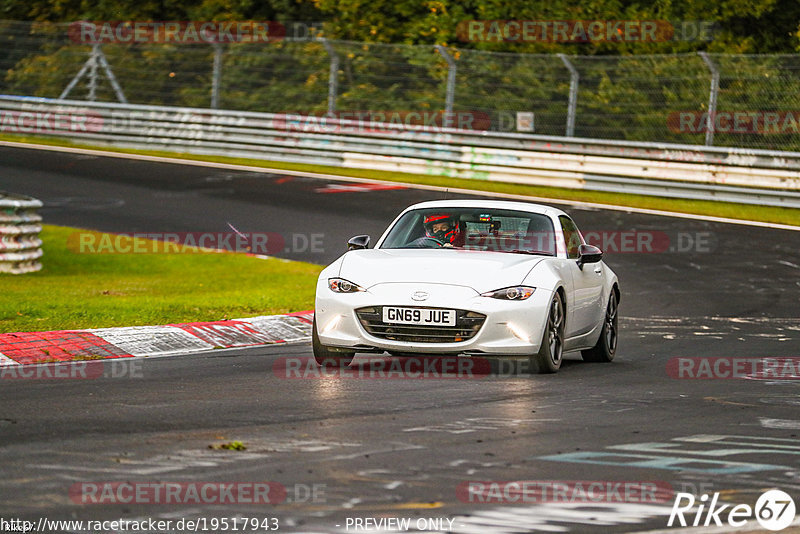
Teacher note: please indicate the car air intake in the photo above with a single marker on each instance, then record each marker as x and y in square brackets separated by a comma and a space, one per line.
[467, 325]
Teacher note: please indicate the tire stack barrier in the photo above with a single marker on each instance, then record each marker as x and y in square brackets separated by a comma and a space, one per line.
[20, 245]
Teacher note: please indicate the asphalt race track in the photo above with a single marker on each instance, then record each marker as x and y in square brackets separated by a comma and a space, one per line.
[403, 448]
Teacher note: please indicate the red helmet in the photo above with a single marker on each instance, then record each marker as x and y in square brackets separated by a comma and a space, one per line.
[447, 235]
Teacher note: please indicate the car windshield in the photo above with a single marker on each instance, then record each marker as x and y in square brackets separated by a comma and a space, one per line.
[482, 229]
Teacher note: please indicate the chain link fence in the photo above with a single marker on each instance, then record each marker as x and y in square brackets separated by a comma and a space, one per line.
[749, 101]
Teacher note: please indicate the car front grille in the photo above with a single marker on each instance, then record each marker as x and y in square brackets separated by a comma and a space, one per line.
[467, 325]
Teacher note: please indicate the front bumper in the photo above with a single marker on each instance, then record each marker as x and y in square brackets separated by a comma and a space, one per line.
[513, 328]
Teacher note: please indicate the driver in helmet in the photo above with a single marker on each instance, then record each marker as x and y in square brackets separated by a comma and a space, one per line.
[443, 227]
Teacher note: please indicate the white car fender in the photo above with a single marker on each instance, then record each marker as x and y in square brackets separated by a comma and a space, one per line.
[549, 275]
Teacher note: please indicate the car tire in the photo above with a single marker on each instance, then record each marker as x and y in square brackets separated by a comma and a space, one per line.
[551, 349]
[606, 346]
[325, 356]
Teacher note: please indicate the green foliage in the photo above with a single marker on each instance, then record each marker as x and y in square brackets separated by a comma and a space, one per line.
[744, 26]
[282, 77]
[157, 10]
[230, 446]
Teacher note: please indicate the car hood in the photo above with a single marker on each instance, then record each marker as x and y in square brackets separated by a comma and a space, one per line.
[482, 271]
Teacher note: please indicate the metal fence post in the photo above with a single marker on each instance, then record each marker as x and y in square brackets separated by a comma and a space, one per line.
[216, 75]
[96, 58]
[712, 98]
[90, 63]
[451, 79]
[333, 76]
[93, 74]
[101, 57]
[574, 79]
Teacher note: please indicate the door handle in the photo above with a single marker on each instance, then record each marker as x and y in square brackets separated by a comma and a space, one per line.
[598, 270]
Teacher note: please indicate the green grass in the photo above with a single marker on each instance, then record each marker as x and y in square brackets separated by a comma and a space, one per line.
[80, 290]
[788, 216]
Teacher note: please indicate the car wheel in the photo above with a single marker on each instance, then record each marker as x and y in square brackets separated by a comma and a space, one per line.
[548, 359]
[606, 346]
[325, 356]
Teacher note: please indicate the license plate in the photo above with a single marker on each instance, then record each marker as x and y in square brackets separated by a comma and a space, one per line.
[420, 316]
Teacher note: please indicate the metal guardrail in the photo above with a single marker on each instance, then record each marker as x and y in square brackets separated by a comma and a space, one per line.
[20, 246]
[682, 171]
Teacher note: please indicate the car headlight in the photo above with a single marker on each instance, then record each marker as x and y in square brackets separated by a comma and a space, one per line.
[511, 293]
[340, 285]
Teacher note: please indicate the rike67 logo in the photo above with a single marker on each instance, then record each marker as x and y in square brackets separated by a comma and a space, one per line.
[774, 510]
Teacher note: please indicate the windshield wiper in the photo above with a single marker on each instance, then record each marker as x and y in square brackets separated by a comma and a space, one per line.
[531, 252]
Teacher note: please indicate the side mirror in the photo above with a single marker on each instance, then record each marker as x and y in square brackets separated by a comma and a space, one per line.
[589, 254]
[358, 242]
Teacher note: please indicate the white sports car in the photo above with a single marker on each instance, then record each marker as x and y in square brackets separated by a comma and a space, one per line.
[470, 278]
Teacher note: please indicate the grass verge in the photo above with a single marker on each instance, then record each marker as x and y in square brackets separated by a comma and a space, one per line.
[75, 290]
[712, 208]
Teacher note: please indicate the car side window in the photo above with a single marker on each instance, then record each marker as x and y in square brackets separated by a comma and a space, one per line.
[572, 237]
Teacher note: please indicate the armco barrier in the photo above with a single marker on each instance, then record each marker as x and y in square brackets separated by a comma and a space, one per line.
[681, 171]
[20, 246]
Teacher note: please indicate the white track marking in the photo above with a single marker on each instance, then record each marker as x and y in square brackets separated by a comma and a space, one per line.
[6, 361]
[152, 340]
[792, 424]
